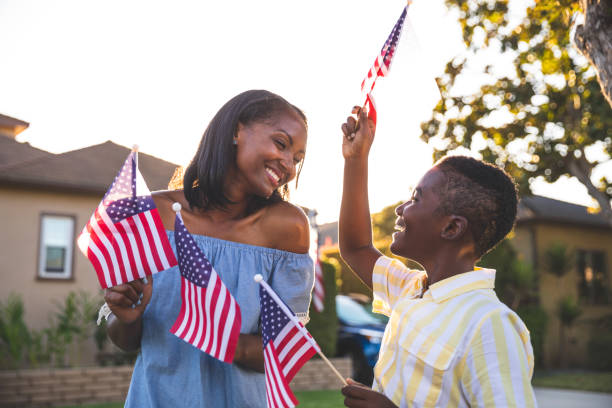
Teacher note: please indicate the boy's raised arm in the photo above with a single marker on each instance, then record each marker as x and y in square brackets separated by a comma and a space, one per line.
[355, 225]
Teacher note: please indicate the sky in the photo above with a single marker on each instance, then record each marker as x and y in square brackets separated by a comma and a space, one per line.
[153, 73]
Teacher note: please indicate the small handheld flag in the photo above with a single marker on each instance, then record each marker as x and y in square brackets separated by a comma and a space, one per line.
[287, 346]
[210, 317]
[382, 65]
[125, 238]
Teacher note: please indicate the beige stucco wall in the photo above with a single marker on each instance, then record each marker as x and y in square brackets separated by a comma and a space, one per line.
[20, 215]
[553, 289]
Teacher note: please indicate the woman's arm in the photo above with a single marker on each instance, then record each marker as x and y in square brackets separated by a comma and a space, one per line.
[127, 303]
[249, 352]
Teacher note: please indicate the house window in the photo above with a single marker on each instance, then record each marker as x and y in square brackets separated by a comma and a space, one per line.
[56, 245]
[593, 277]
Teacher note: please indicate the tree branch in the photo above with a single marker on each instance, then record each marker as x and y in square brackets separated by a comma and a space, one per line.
[594, 40]
[581, 169]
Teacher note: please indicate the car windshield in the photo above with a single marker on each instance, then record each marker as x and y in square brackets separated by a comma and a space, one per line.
[354, 313]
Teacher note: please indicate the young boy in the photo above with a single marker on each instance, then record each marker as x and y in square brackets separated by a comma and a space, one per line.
[449, 342]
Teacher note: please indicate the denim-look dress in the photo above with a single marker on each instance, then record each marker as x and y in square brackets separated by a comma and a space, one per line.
[172, 373]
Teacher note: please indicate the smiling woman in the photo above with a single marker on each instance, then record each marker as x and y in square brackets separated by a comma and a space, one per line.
[234, 205]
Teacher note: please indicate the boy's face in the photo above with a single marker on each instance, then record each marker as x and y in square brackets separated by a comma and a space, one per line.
[418, 225]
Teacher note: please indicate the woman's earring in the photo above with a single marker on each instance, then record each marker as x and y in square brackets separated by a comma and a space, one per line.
[235, 142]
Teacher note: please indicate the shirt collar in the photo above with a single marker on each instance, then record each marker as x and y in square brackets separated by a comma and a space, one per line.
[480, 278]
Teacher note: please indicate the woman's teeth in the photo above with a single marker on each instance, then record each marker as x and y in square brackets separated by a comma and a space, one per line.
[273, 174]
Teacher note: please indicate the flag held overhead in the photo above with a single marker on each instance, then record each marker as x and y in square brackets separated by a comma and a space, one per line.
[382, 65]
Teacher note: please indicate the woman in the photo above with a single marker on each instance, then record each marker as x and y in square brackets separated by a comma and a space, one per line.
[233, 204]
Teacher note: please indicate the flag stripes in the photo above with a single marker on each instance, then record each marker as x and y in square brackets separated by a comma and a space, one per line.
[210, 317]
[381, 65]
[287, 347]
[125, 238]
[319, 288]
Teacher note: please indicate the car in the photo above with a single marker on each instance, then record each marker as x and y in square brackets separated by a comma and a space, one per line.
[360, 333]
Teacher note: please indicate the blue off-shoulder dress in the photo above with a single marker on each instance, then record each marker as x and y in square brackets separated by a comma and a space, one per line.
[172, 373]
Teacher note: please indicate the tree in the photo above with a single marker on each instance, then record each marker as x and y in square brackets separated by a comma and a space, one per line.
[383, 222]
[567, 311]
[542, 115]
[593, 39]
[515, 278]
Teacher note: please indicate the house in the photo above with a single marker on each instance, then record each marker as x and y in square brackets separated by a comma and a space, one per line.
[45, 200]
[543, 223]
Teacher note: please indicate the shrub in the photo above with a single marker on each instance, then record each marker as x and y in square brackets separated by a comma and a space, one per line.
[14, 334]
[600, 352]
[323, 326]
[72, 323]
[536, 320]
[600, 345]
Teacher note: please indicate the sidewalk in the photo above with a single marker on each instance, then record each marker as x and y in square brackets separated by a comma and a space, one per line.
[557, 398]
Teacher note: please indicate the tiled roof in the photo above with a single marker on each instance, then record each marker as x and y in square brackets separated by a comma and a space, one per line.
[12, 152]
[538, 208]
[91, 169]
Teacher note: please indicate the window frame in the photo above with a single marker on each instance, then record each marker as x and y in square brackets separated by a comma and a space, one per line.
[593, 300]
[41, 274]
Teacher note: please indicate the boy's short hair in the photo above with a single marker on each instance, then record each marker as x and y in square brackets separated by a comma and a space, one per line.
[484, 194]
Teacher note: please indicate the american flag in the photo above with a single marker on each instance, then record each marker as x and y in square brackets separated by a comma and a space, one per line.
[287, 347]
[125, 238]
[319, 289]
[381, 65]
[210, 317]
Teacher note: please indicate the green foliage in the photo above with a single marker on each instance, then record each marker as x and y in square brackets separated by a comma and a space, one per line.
[14, 335]
[536, 320]
[514, 278]
[323, 326]
[383, 222]
[568, 311]
[558, 259]
[537, 116]
[72, 323]
[600, 345]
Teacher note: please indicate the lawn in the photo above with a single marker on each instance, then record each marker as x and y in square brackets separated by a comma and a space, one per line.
[308, 399]
[586, 381]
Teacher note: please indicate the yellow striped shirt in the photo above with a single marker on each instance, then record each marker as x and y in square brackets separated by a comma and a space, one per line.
[456, 346]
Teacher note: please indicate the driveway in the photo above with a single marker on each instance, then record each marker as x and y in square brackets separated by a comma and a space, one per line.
[555, 398]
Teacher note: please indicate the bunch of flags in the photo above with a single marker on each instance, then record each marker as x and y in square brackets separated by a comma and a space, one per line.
[125, 239]
[382, 65]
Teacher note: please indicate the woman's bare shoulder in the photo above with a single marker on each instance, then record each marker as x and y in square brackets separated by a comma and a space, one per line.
[163, 201]
[288, 227]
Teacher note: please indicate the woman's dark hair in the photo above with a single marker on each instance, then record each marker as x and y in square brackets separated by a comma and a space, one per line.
[484, 194]
[204, 177]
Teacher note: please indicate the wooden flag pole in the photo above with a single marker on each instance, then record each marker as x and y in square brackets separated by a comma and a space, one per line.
[259, 279]
[333, 368]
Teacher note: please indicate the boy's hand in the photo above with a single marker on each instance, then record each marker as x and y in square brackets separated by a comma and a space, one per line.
[128, 301]
[360, 396]
[358, 135]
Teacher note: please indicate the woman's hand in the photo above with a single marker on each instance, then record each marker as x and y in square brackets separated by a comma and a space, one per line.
[128, 301]
[249, 352]
[361, 396]
[358, 135]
